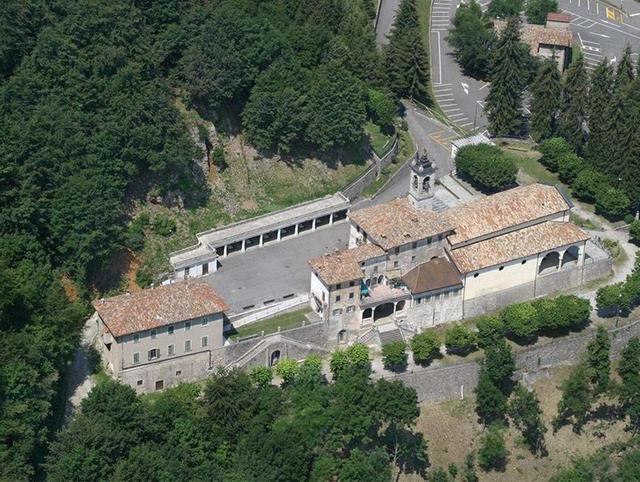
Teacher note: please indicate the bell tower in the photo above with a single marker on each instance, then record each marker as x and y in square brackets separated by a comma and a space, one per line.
[422, 181]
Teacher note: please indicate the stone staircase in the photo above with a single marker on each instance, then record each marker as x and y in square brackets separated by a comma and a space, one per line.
[389, 334]
[439, 205]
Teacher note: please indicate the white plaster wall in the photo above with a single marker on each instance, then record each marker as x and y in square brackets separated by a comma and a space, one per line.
[318, 288]
[492, 279]
[354, 235]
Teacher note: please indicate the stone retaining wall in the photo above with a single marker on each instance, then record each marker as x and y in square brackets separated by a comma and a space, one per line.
[451, 382]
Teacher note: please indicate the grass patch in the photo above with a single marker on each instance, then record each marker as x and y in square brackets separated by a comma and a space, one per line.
[285, 321]
[380, 141]
[530, 168]
[583, 222]
[406, 149]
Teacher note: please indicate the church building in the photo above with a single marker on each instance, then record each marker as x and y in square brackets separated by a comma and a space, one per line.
[409, 265]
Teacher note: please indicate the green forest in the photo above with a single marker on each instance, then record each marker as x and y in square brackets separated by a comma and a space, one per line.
[90, 124]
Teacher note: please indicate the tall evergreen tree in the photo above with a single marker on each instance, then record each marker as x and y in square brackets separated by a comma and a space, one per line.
[545, 91]
[574, 105]
[624, 72]
[406, 57]
[599, 120]
[508, 79]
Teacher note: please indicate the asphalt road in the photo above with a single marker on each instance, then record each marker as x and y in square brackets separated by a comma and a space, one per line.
[461, 98]
[386, 18]
[601, 30]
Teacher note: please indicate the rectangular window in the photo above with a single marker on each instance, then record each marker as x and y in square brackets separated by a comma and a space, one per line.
[338, 286]
[153, 354]
[429, 240]
[413, 258]
[159, 384]
[205, 269]
[178, 373]
[338, 298]
[352, 283]
[136, 338]
[414, 245]
[337, 312]
[171, 350]
[187, 325]
[375, 269]
[186, 272]
[153, 334]
[204, 342]
[187, 345]
[397, 250]
[136, 358]
[350, 296]
[205, 321]
[395, 264]
[170, 330]
[139, 382]
[350, 309]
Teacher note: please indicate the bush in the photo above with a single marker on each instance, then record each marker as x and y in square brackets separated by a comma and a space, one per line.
[490, 331]
[135, 234]
[537, 10]
[486, 166]
[94, 359]
[612, 203]
[218, 157]
[562, 313]
[569, 166]
[163, 225]
[354, 357]
[491, 402]
[520, 319]
[425, 347]
[382, 109]
[611, 299]
[143, 277]
[459, 339]
[493, 451]
[588, 183]
[287, 369]
[634, 231]
[261, 376]
[552, 151]
[394, 355]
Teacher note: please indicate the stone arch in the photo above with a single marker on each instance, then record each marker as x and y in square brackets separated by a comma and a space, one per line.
[400, 305]
[571, 254]
[367, 313]
[380, 279]
[425, 183]
[274, 358]
[549, 262]
[415, 181]
[382, 311]
[342, 336]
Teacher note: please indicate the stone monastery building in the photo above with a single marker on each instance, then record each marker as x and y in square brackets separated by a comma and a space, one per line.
[407, 267]
[410, 265]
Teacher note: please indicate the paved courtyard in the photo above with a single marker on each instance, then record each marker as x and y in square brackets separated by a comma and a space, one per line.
[273, 272]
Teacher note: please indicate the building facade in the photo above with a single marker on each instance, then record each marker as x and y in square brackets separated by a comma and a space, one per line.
[158, 337]
[409, 265]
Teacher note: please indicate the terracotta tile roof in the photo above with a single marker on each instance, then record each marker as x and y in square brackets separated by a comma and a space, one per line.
[344, 265]
[156, 307]
[432, 275]
[397, 222]
[558, 17]
[534, 35]
[504, 210]
[517, 244]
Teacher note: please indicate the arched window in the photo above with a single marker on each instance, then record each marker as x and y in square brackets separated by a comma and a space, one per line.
[550, 262]
[415, 181]
[425, 183]
[275, 358]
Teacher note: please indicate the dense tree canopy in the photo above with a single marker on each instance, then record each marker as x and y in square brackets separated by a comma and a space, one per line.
[353, 429]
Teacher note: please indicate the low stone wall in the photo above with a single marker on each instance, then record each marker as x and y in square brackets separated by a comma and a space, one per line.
[488, 303]
[566, 278]
[452, 382]
[357, 187]
[597, 269]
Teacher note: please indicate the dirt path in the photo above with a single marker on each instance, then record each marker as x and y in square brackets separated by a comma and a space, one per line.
[79, 381]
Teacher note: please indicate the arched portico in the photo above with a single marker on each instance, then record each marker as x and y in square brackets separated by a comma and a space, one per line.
[550, 263]
[571, 256]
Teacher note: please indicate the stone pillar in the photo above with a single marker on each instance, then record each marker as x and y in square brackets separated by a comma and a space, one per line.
[581, 253]
[330, 219]
[561, 255]
[313, 225]
[261, 239]
[244, 245]
[296, 231]
[279, 234]
[225, 250]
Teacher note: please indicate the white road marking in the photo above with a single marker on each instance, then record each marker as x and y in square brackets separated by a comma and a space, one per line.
[487, 84]
[461, 114]
[634, 14]
[588, 5]
[600, 35]
[598, 8]
[448, 105]
[440, 84]
[439, 57]
[450, 110]
[465, 87]
[465, 124]
[590, 42]
[446, 89]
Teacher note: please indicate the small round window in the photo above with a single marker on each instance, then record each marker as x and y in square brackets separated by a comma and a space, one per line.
[524, 261]
[476, 275]
[501, 268]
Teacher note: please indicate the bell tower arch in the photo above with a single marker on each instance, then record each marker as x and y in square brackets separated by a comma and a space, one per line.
[422, 181]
